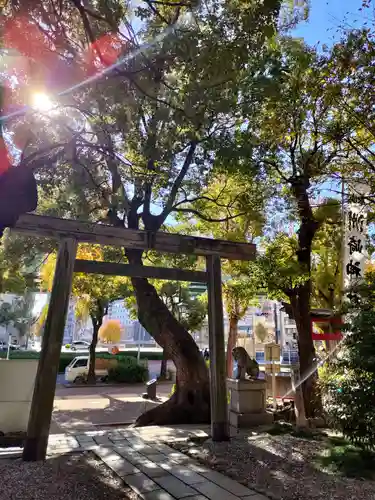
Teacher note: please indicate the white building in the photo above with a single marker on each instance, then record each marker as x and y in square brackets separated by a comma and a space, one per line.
[71, 321]
[70, 324]
[132, 330]
[6, 330]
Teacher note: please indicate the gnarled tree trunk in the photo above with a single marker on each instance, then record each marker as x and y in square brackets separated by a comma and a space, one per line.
[163, 366]
[232, 340]
[191, 401]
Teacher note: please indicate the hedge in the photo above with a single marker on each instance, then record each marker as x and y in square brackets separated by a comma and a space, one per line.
[66, 357]
[128, 373]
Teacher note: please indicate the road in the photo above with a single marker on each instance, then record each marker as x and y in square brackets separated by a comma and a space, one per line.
[108, 347]
[87, 408]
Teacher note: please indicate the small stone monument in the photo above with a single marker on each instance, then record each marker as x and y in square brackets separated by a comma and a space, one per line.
[151, 390]
[247, 395]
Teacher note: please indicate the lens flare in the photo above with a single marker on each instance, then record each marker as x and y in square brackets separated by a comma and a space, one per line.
[41, 102]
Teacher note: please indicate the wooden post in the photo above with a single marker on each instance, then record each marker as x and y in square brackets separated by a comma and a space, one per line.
[274, 390]
[299, 405]
[45, 382]
[218, 385]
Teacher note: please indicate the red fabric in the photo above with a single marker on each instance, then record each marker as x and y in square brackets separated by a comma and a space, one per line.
[43, 62]
[103, 53]
[4, 158]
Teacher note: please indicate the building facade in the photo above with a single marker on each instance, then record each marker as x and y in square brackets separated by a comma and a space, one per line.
[132, 330]
[70, 324]
[277, 326]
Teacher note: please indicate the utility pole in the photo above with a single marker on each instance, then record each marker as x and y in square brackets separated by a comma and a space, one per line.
[277, 331]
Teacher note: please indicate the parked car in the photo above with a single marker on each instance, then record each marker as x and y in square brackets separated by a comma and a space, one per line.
[78, 369]
[14, 346]
[79, 345]
[3, 346]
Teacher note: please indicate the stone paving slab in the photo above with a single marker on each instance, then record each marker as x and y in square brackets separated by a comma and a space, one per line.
[160, 495]
[140, 483]
[214, 492]
[133, 456]
[107, 454]
[183, 473]
[155, 456]
[175, 487]
[257, 496]
[197, 497]
[122, 467]
[151, 468]
[227, 483]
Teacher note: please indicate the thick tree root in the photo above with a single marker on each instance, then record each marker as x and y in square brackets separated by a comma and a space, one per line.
[174, 411]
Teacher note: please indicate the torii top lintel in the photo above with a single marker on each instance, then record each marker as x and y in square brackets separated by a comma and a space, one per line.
[89, 232]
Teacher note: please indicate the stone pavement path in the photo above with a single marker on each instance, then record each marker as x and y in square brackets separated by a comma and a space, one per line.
[151, 468]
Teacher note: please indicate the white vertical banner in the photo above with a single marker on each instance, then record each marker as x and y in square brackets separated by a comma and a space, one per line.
[355, 234]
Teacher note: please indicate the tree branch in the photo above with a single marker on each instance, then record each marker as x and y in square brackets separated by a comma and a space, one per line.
[205, 218]
[157, 13]
[324, 296]
[360, 154]
[198, 198]
[274, 165]
[177, 183]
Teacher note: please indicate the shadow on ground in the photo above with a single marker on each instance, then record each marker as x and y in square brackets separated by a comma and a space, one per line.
[78, 476]
[283, 466]
[104, 410]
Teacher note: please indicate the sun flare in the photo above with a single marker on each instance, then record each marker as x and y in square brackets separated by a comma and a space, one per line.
[41, 102]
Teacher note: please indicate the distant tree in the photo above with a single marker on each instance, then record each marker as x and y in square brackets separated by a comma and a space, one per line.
[110, 331]
[189, 311]
[8, 314]
[260, 331]
[231, 208]
[17, 313]
[93, 292]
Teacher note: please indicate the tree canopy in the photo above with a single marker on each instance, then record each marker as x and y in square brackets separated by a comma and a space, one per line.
[199, 117]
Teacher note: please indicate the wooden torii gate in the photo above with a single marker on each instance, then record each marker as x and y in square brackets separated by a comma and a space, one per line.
[70, 233]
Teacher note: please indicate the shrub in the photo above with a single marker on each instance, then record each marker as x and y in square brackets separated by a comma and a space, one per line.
[126, 360]
[128, 373]
[348, 384]
[341, 457]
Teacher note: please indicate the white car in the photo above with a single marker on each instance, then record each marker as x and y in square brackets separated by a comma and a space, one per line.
[79, 345]
[78, 369]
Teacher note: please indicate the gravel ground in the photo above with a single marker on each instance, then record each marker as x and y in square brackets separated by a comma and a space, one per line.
[65, 477]
[278, 466]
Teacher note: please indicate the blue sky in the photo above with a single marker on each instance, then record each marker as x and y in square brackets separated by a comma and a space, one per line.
[326, 16]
